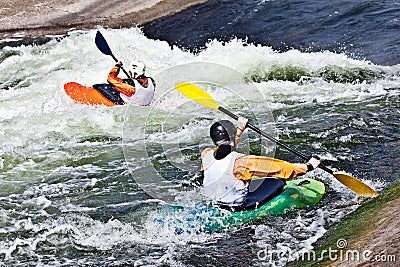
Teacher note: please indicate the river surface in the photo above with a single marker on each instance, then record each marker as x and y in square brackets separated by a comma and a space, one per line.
[81, 185]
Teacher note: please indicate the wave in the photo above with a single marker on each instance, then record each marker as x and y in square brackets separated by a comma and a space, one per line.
[334, 74]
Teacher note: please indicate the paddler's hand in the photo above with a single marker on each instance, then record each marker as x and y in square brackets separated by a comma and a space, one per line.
[313, 163]
[241, 126]
[242, 123]
[119, 64]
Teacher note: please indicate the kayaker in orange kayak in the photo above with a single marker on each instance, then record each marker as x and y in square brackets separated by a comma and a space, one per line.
[139, 89]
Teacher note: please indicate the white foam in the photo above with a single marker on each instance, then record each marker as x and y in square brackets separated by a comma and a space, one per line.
[41, 129]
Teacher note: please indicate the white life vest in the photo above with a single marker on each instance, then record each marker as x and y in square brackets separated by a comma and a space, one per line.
[143, 95]
[219, 183]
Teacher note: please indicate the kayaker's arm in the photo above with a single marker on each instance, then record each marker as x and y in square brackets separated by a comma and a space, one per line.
[303, 168]
[118, 83]
[250, 166]
[259, 167]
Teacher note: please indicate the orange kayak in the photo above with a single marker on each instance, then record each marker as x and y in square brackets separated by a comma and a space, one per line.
[86, 95]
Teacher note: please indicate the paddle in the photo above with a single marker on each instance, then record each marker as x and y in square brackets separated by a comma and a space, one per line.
[203, 98]
[102, 45]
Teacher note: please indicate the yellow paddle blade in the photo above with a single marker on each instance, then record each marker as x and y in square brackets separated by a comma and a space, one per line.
[197, 94]
[356, 185]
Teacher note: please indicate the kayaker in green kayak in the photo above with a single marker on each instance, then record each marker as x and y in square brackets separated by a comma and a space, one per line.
[228, 174]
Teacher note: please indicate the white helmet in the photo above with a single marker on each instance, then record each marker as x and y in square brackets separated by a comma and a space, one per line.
[138, 68]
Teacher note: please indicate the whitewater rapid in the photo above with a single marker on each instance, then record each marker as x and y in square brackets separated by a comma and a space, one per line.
[70, 174]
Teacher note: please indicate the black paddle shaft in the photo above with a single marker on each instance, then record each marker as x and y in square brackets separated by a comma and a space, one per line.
[102, 45]
[257, 130]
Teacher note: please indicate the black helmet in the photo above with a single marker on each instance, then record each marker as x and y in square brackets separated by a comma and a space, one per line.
[223, 131]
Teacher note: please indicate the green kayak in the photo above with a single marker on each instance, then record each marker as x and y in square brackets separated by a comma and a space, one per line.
[204, 218]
